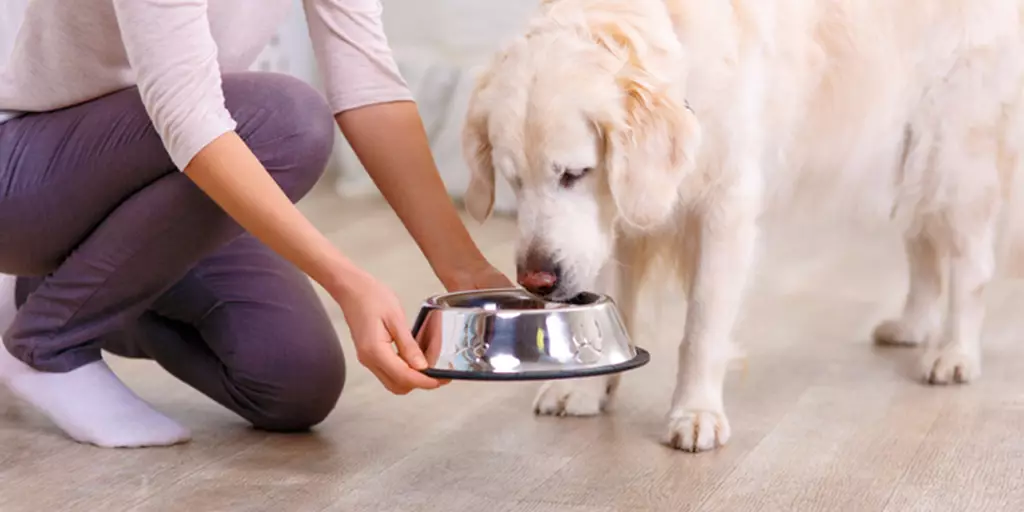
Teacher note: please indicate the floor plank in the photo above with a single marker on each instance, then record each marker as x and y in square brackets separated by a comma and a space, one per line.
[822, 420]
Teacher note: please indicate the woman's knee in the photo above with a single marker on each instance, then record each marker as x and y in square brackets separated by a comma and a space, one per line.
[287, 123]
[295, 390]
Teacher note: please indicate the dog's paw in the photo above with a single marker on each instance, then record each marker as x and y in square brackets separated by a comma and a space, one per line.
[898, 333]
[696, 430]
[573, 397]
[950, 365]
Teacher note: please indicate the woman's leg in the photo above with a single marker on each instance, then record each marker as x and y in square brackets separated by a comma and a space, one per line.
[245, 328]
[91, 199]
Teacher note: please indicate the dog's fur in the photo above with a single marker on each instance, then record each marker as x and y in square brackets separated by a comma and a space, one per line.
[636, 128]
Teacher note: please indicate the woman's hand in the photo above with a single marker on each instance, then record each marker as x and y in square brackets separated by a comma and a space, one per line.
[376, 321]
[482, 277]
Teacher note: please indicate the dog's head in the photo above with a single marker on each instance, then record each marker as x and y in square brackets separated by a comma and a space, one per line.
[585, 117]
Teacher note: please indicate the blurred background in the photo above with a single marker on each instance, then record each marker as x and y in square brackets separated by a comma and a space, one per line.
[822, 419]
[439, 46]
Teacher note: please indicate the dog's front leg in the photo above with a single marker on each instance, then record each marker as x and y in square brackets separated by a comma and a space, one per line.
[590, 396]
[725, 253]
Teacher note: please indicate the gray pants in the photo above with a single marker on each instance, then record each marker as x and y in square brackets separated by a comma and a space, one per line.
[120, 251]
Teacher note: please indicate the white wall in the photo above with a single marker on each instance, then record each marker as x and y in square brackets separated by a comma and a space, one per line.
[439, 45]
[465, 28]
[290, 51]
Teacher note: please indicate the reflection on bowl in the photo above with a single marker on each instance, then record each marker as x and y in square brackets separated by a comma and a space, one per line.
[510, 334]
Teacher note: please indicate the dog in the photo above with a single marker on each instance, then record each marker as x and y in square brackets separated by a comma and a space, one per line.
[634, 130]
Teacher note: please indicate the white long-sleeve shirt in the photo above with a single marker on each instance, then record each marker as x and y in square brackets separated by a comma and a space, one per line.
[58, 53]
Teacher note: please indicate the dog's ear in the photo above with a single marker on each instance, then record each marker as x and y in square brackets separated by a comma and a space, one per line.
[648, 154]
[651, 145]
[476, 147]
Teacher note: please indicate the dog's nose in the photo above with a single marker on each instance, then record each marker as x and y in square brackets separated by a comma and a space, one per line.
[538, 274]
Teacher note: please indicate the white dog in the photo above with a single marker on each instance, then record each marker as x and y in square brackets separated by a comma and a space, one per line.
[631, 129]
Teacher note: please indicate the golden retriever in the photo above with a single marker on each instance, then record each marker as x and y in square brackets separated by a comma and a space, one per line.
[636, 128]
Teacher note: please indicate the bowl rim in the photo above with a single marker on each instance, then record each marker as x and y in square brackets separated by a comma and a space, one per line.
[433, 302]
[640, 358]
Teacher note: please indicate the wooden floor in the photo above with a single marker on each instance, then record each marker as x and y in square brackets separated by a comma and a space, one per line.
[822, 420]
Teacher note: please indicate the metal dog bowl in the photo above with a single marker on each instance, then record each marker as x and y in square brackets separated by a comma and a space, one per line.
[510, 334]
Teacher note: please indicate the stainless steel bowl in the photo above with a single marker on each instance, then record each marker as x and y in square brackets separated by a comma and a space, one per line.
[510, 334]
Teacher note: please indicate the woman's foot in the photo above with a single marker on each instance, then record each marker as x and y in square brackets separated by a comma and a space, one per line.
[90, 404]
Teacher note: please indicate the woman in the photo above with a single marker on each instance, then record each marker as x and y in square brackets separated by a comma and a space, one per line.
[147, 197]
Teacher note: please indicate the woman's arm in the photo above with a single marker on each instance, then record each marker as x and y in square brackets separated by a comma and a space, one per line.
[404, 171]
[232, 176]
[174, 57]
[384, 128]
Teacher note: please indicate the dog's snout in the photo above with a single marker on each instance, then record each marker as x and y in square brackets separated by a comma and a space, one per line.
[541, 283]
[538, 274]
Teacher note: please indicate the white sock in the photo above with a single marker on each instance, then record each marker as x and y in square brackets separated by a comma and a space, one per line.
[90, 404]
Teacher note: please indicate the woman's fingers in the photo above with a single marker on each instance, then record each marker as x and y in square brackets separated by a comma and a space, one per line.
[390, 368]
[407, 346]
[369, 361]
[393, 372]
[411, 351]
[399, 371]
[387, 382]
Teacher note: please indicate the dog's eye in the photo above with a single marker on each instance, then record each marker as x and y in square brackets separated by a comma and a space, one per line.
[570, 176]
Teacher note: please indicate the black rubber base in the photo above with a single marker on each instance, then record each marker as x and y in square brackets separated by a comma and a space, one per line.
[642, 358]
